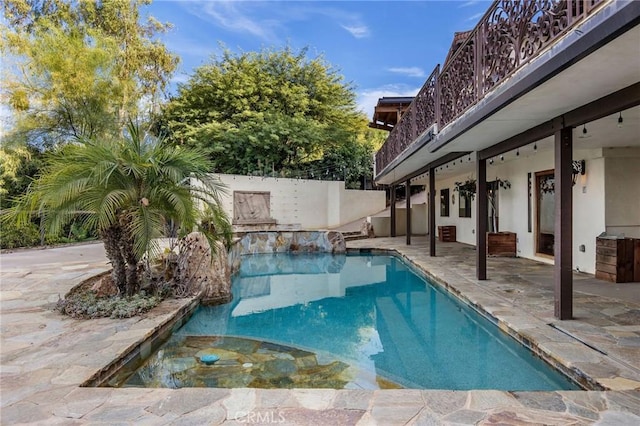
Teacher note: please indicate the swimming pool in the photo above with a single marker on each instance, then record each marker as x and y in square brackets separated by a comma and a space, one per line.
[342, 321]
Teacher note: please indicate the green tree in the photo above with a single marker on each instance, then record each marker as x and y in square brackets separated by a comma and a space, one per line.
[79, 68]
[128, 190]
[268, 110]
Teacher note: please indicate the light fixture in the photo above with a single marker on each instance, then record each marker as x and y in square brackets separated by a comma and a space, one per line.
[578, 167]
[620, 119]
[518, 152]
[502, 157]
[490, 160]
[535, 147]
[585, 133]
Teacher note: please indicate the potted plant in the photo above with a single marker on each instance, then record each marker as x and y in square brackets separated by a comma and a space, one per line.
[498, 243]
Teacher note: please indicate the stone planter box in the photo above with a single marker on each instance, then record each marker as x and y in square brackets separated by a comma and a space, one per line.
[501, 244]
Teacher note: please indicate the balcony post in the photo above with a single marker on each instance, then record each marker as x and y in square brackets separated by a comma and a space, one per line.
[432, 211]
[408, 190]
[563, 256]
[393, 211]
[482, 212]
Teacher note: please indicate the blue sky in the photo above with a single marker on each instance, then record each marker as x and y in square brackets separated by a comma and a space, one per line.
[384, 48]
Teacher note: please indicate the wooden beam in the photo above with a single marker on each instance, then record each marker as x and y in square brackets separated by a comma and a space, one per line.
[408, 218]
[390, 108]
[618, 101]
[563, 255]
[380, 126]
[482, 212]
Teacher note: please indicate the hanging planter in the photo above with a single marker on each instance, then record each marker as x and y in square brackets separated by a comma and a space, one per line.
[466, 189]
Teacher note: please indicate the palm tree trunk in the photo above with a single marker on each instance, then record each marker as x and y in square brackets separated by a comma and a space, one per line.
[128, 254]
[111, 239]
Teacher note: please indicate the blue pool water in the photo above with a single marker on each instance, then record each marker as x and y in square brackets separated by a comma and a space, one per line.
[374, 314]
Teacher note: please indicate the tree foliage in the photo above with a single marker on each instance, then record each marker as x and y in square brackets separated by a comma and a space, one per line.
[274, 110]
[128, 190]
[79, 68]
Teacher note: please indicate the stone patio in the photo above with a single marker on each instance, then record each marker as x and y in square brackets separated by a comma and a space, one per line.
[44, 357]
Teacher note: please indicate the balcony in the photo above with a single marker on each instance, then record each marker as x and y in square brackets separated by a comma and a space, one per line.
[508, 37]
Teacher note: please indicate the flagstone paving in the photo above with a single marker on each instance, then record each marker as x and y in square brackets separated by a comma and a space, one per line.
[44, 357]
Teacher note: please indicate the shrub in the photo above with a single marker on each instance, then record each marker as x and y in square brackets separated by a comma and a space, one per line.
[85, 305]
[12, 235]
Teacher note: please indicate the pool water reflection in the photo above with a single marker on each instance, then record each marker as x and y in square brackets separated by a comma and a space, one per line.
[369, 318]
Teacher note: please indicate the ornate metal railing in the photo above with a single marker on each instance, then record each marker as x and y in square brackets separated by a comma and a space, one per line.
[418, 117]
[508, 36]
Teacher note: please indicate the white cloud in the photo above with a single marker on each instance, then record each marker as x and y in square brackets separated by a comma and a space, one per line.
[408, 71]
[266, 22]
[358, 31]
[229, 15]
[186, 47]
[475, 17]
[368, 98]
[469, 3]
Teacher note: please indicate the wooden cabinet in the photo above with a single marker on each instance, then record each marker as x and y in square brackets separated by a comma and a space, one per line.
[501, 244]
[447, 234]
[614, 259]
[636, 260]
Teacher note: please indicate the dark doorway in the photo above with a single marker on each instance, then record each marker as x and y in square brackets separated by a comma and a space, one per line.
[545, 212]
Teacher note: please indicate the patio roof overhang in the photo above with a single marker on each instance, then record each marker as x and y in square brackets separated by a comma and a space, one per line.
[388, 112]
[597, 58]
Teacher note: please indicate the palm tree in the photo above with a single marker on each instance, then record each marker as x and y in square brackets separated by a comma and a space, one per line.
[127, 190]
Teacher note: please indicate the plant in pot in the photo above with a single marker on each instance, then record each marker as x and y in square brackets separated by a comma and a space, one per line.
[497, 243]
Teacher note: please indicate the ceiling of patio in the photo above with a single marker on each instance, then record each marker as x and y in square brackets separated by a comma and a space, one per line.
[614, 66]
[602, 133]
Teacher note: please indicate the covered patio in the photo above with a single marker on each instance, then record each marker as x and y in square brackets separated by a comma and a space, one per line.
[533, 112]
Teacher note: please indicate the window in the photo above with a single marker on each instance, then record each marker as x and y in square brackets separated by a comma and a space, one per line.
[464, 205]
[444, 202]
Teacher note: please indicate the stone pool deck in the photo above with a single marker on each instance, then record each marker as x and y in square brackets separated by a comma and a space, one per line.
[44, 357]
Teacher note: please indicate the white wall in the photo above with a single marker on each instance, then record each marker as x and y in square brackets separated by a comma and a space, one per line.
[355, 204]
[622, 188]
[312, 204]
[465, 226]
[419, 225]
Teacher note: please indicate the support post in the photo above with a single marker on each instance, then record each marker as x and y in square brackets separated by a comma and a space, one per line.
[393, 211]
[563, 256]
[432, 212]
[482, 213]
[408, 191]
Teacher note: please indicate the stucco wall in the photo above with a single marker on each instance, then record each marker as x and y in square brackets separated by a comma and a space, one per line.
[312, 204]
[622, 188]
